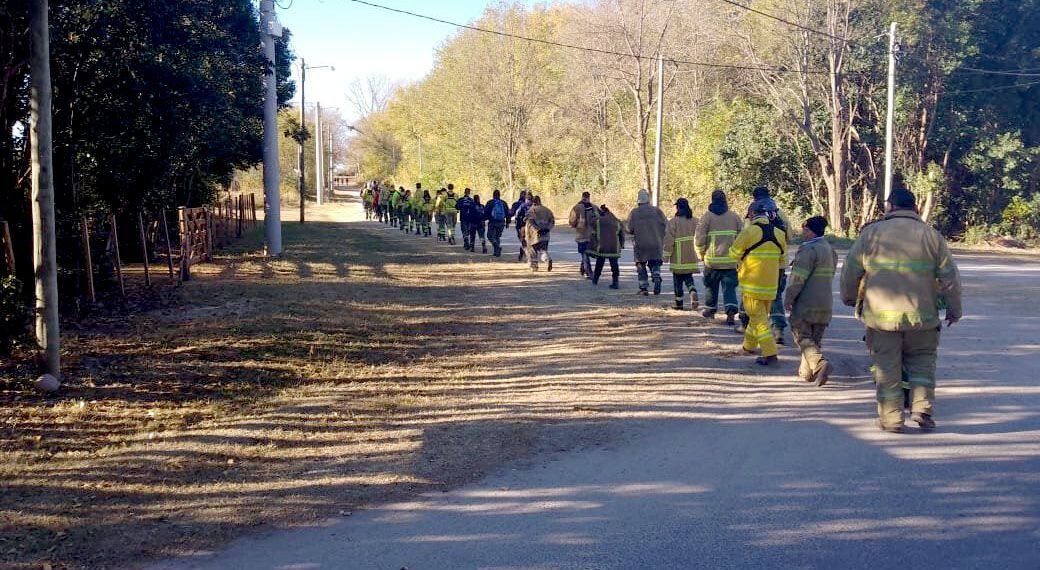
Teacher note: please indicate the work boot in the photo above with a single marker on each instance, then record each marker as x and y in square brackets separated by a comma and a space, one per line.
[695, 301]
[924, 421]
[613, 284]
[894, 428]
[708, 313]
[778, 337]
[644, 292]
[520, 256]
[548, 266]
[483, 247]
[678, 305]
[767, 361]
[730, 321]
[581, 269]
[657, 286]
[451, 240]
[823, 374]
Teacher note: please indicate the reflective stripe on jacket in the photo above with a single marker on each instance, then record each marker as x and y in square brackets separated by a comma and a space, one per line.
[810, 287]
[759, 270]
[898, 273]
[607, 236]
[679, 248]
[715, 235]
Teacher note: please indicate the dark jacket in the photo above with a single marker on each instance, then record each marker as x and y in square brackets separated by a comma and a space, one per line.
[608, 237]
[490, 205]
[474, 214]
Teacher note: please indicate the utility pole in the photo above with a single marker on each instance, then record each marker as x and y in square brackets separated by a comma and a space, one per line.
[270, 28]
[318, 162]
[891, 112]
[656, 195]
[302, 184]
[48, 335]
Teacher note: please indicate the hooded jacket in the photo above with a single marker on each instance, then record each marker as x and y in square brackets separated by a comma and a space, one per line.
[715, 235]
[647, 225]
[679, 248]
[898, 273]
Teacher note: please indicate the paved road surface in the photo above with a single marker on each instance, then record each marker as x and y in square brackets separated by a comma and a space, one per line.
[770, 486]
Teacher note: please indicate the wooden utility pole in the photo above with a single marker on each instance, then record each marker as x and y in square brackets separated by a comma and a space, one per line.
[303, 125]
[48, 335]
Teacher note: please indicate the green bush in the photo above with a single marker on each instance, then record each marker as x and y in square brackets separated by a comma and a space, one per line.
[1021, 218]
[14, 314]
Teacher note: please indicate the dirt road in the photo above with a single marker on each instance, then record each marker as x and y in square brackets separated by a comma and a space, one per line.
[689, 456]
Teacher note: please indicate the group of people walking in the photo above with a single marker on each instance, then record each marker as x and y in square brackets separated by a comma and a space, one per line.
[898, 275]
[413, 211]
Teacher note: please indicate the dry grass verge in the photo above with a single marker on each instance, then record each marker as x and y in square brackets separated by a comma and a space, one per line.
[362, 366]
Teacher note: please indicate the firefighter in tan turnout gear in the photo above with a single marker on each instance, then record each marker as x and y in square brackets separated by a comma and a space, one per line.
[716, 232]
[897, 275]
[809, 299]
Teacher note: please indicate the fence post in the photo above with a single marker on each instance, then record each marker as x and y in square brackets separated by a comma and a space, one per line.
[208, 212]
[182, 221]
[252, 208]
[8, 247]
[85, 239]
[144, 250]
[169, 246]
[115, 245]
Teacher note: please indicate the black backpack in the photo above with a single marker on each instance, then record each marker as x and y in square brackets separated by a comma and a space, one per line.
[768, 236]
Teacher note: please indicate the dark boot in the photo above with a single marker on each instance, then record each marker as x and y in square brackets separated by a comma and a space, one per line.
[730, 320]
[708, 313]
[678, 305]
[657, 286]
[483, 246]
[767, 361]
[614, 282]
[923, 420]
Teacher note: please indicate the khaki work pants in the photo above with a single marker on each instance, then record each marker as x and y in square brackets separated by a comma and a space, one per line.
[809, 338]
[757, 333]
[892, 353]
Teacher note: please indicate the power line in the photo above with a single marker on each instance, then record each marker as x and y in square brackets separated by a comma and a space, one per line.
[601, 51]
[1007, 72]
[998, 88]
[788, 22]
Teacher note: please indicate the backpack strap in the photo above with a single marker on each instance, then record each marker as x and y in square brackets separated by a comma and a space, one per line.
[768, 236]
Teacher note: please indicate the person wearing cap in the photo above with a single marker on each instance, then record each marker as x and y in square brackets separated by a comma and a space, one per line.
[810, 299]
[898, 274]
[716, 231]
[605, 244]
[681, 253]
[647, 223]
[538, 222]
[582, 218]
[759, 250]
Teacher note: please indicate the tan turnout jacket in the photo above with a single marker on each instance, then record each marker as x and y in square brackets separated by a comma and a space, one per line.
[647, 223]
[679, 250]
[809, 289]
[715, 235]
[537, 224]
[583, 217]
[899, 273]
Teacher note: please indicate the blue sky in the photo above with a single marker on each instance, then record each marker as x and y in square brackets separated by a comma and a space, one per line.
[360, 40]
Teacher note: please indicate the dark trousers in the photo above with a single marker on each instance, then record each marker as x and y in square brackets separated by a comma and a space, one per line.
[614, 270]
[655, 272]
[683, 283]
[472, 230]
[726, 279]
[494, 233]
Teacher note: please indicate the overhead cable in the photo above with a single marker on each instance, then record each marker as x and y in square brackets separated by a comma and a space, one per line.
[603, 51]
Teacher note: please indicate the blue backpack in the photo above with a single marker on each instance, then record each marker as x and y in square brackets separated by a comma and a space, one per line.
[498, 211]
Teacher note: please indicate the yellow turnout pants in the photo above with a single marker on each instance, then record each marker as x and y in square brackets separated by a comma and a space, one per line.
[758, 334]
